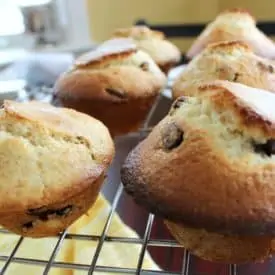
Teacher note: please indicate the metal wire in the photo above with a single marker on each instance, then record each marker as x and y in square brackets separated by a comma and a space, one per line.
[232, 269]
[145, 242]
[83, 267]
[151, 113]
[151, 242]
[186, 263]
[5, 267]
[106, 227]
[54, 253]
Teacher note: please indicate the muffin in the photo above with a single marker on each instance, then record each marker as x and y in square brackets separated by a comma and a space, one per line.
[53, 163]
[233, 61]
[235, 24]
[222, 248]
[164, 53]
[116, 83]
[209, 169]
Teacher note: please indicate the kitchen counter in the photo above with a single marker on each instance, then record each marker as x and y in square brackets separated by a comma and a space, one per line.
[8, 56]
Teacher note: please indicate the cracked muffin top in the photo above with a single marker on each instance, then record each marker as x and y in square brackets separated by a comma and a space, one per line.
[152, 42]
[110, 73]
[234, 24]
[210, 163]
[47, 153]
[231, 60]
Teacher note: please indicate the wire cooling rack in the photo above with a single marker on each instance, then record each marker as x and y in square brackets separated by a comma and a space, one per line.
[189, 264]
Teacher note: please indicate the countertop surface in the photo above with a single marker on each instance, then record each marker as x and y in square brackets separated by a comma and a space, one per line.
[8, 56]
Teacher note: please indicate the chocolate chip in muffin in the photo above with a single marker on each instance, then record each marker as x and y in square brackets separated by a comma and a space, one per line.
[116, 93]
[236, 76]
[144, 66]
[269, 68]
[43, 213]
[36, 211]
[28, 225]
[267, 148]
[177, 103]
[171, 136]
[64, 211]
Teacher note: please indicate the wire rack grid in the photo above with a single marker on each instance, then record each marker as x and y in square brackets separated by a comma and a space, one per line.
[145, 241]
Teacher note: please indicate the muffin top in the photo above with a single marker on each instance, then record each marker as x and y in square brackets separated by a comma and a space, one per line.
[210, 163]
[235, 24]
[115, 71]
[230, 60]
[48, 153]
[152, 42]
[117, 52]
[241, 15]
[110, 49]
[139, 33]
[249, 109]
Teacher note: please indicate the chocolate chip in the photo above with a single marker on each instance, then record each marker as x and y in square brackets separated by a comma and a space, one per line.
[43, 213]
[236, 76]
[28, 225]
[172, 136]
[144, 66]
[271, 69]
[177, 103]
[64, 211]
[36, 211]
[44, 217]
[115, 92]
[267, 148]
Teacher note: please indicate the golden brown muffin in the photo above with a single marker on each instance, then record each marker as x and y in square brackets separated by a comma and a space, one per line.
[233, 61]
[210, 165]
[164, 53]
[53, 163]
[116, 84]
[235, 24]
[222, 248]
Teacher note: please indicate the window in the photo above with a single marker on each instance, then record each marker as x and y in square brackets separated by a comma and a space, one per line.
[26, 3]
[57, 23]
[11, 18]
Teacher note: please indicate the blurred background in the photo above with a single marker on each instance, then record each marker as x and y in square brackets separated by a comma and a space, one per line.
[187, 15]
[39, 39]
[37, 31]
[77, 24]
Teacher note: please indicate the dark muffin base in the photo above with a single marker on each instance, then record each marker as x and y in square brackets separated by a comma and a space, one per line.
[120, 117]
